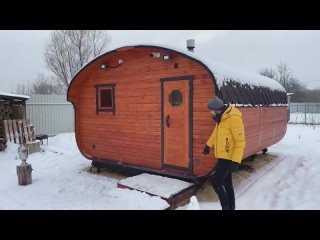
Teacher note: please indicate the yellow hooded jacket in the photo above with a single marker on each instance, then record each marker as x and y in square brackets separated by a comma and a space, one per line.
[228, 138]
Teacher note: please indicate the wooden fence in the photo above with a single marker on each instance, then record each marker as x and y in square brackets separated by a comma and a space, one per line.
[19, 131]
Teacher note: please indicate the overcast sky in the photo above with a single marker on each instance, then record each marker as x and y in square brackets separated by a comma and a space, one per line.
[21, 52]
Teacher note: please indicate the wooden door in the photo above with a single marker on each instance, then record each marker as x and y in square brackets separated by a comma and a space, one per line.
[176, 123]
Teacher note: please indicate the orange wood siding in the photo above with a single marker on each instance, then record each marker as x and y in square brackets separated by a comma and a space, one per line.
[133, 134]
[264, 127]
[203, 125]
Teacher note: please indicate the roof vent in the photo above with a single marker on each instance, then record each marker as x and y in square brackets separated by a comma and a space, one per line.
[191, 45]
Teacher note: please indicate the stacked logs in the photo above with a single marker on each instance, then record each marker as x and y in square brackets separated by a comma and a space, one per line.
[5, 113]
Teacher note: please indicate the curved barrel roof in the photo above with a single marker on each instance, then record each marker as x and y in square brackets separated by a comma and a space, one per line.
[234, 85]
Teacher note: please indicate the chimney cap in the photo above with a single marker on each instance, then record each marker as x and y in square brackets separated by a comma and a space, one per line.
[190, 44]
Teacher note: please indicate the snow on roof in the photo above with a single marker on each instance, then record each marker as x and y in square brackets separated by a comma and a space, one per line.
[221, 72]
[14, 95]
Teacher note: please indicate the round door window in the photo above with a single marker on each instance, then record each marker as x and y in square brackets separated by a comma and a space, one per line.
[175, 98]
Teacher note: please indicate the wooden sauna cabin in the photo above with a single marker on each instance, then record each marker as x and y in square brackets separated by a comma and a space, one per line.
[145, 107]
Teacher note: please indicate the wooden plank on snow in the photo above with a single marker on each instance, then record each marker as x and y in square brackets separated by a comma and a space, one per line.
[15, 131]
[20, 131]
[6, 129]
[11, 131]
[25, 131]
[31, 136]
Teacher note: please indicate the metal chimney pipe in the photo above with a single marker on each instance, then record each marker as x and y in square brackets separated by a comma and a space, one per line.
[191, 43]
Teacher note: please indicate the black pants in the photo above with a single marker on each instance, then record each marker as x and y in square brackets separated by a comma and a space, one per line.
[222, 183]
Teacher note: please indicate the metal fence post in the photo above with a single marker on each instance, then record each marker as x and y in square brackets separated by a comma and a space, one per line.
[305, 113]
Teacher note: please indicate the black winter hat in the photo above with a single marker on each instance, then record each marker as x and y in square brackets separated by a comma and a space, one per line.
[216, 104]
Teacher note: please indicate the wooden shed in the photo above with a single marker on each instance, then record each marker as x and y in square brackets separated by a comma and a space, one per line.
[145, 107]
[12, 106]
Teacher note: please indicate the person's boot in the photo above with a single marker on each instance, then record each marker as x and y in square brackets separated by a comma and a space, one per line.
[225, 206]
[231, 201]
[222, 196]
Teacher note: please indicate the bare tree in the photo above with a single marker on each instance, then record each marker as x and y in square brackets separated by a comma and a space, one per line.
[45, 85]
[268, 72]
[313, 95]
[22, 88]
[42, 85]
[285, 77]
[69, 50]
[299, 90]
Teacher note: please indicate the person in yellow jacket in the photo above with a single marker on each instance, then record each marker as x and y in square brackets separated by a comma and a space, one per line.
[228, 141]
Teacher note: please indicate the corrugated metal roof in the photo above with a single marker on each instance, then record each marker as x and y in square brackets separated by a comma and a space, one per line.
[11, 95]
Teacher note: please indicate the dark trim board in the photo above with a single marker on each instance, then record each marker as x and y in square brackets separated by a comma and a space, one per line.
[113, 109]
[179, 78]
[182, 169]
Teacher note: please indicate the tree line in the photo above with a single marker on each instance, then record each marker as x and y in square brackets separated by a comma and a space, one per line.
[284, 76]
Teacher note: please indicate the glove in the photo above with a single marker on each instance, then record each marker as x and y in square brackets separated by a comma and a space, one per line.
[206, 150]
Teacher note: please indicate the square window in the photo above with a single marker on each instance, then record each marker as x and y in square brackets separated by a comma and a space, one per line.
[105, 98]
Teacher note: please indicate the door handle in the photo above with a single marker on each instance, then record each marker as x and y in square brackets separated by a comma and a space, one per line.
[168, 120]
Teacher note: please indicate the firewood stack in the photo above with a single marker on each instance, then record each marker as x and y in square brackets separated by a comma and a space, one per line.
[5, 113]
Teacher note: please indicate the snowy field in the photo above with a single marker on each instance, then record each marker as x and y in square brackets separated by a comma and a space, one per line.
[287, 177]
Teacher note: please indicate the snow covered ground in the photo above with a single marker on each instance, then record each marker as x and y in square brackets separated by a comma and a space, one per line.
[287, 177]
[294, 182]
[61, 181]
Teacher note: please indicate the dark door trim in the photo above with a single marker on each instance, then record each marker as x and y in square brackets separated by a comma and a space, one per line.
[178, 78]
